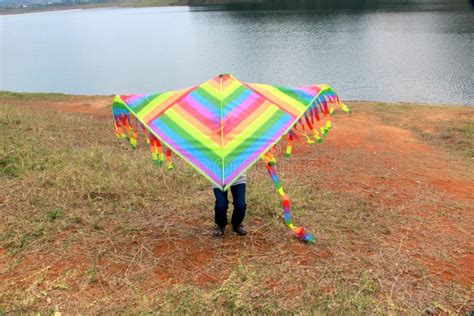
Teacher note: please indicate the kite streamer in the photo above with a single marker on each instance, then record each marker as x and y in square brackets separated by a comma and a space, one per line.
[223, 126]
[299, 232]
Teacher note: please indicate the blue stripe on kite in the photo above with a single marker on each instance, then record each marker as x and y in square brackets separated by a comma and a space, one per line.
[303, 94]
[190, 151]
[211, 107]
[229, 107]
[136, 101]
[119, 111]
[256, 147]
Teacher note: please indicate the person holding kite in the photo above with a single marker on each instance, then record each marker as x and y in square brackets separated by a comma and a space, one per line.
[222, 203]
[224, 126]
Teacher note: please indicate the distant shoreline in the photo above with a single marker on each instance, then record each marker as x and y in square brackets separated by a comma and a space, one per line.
[86, 6]
[67, 96]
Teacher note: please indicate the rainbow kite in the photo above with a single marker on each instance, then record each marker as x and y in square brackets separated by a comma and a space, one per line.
[223, 126]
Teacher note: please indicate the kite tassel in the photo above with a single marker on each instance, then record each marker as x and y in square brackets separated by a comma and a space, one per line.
[132, 134]
[119, 134]
[169, 160]
[156, 150]
[289, 146]
[345, 108]
[145, 132]
[304, 134]
[335, 100]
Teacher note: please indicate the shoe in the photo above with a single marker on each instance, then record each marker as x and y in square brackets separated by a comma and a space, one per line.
[218, 231]
[240, 230]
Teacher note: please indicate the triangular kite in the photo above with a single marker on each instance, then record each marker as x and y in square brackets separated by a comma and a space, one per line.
[223, 126]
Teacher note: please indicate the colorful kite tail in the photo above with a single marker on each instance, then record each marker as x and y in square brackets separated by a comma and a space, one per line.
[299, 232]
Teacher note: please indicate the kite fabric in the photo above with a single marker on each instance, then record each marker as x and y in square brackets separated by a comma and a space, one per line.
[223, 126]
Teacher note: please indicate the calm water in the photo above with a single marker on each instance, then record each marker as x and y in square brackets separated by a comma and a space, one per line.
[411, 52]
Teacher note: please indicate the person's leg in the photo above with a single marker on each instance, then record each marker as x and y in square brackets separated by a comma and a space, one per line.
[238, 194]
[221, 207]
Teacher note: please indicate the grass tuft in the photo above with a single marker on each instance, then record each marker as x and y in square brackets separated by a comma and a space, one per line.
[54, 214]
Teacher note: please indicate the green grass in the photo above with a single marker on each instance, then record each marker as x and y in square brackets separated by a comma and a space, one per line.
[91, 226]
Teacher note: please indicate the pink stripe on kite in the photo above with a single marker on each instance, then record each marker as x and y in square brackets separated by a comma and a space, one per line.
[131, 98]
[185, 93]
[248, 107]
[312, 90]
[200, 108]
[198, 112]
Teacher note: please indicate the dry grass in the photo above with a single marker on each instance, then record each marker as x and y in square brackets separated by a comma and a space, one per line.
[452, 130]
[89, 226]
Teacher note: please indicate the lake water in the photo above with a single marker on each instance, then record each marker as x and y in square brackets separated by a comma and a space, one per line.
[415, 51]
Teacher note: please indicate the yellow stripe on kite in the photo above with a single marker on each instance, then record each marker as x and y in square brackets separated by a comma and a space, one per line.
[161, 102]
[154, 104]
[250, 130]
[231, 89]
[212, 130]
[204, 139]
[289, 104]
[209, 88]
[245, 123]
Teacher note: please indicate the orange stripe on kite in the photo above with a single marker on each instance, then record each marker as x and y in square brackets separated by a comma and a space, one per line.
[166, 104]
[276, 101]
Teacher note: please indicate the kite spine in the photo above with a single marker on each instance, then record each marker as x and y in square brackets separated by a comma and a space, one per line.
[221, 127]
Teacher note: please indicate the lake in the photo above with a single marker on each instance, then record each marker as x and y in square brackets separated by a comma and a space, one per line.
[414, 51]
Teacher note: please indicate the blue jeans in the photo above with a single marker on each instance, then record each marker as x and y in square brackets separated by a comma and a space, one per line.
[222, 203]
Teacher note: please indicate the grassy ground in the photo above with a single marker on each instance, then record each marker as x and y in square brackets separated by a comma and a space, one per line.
[454, 133]
[90, 226]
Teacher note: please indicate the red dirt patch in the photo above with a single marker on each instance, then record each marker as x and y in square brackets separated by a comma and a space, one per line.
[467, 263]
[460, 272]
[97, 106]
[178, 258]
[460, 189]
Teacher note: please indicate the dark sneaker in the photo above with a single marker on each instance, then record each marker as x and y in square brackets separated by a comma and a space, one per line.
[218, 231]
[240, 230]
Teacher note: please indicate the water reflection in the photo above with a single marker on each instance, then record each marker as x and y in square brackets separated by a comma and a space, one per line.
[342, 5]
